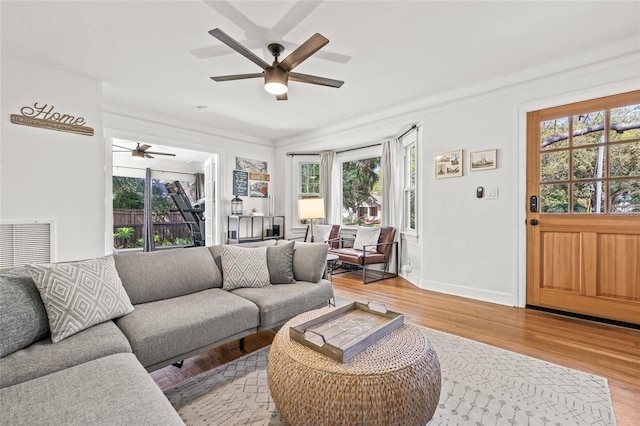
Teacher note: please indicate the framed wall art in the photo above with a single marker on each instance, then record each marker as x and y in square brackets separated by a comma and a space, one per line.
[483, 160]
[448, 164]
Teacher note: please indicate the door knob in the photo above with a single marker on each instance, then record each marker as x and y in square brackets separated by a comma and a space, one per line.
[533, 222]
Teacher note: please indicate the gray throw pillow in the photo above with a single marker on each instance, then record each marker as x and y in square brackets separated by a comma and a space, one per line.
[280, 263]
[244, 267]
[78, 295]
[23, 319]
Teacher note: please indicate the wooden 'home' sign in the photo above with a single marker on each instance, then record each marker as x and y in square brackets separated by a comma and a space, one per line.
[44, 116]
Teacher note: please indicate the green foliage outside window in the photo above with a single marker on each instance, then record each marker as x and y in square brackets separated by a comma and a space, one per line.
[360, 178]
[592, 167]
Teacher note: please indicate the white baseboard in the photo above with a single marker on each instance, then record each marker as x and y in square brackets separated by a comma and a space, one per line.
[500, 298]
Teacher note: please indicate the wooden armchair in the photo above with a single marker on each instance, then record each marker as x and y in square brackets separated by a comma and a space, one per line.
[373, 254]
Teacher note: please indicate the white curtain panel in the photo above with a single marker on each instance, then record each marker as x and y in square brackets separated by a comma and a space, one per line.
[329, 187]
[392, 190]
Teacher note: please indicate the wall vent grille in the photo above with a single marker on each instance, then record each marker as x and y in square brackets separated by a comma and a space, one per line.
[25, 243]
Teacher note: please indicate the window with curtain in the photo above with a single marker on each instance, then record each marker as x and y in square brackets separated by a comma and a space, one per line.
[308, 182]
[410, 180]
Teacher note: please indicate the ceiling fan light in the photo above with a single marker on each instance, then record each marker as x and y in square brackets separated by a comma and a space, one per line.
[275, 80]
[275, 88]
[137, 155]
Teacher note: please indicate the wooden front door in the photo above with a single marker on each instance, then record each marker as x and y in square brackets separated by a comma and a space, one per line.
[583, 220]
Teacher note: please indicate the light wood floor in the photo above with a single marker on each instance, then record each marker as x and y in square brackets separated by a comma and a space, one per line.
[605, 350]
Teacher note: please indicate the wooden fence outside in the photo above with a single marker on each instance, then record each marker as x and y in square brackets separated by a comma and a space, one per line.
[168, 227]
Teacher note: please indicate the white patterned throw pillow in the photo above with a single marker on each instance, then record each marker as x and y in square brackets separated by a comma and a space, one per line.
[244, 267]
[78, 295]
[366, 236]
[320, 233]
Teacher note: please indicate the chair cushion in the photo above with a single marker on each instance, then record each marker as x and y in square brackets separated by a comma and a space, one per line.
[358, 257]
[24, 319]
[280, 263]
[77, 295]
[244, 267]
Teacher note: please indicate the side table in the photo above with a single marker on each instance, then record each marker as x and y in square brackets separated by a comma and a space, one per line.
[395, 381]
[331, 264]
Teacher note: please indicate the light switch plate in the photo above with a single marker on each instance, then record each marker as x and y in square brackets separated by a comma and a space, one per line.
[490, 192]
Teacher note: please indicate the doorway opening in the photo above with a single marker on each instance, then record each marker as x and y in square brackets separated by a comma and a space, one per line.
[180, 203]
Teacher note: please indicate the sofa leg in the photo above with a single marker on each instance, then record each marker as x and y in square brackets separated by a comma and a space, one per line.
[241, 344]
[178, 364]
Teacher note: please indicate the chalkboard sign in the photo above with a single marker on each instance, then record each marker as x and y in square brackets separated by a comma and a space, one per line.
[240, 183]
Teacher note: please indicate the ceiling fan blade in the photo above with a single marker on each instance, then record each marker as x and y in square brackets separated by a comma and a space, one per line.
[282, 97]
[314, 79]
[306, 49]
[148, 156]
[327, 56]
[159, 153]
[226, 39]
[123, 147]
[143, 147]
[236, 76]
[121, 151]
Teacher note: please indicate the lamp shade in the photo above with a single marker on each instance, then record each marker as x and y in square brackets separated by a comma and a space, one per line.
[311, 208]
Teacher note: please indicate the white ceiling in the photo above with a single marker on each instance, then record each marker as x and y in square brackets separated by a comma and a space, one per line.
[388, 52]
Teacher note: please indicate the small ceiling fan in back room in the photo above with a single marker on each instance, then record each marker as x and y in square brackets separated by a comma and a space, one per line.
[277, 75]
[140, 152]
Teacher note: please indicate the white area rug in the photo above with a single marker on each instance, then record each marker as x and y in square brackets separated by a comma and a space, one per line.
[481, 385]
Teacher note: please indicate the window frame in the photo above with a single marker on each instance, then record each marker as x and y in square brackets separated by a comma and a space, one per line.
[410, 141]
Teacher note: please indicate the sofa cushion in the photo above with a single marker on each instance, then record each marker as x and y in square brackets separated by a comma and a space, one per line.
[367, 236]
[45, 357]
[167, 329]
[244, 267]
[114, 390]
[77, 295]
[23, 319]
[280, 303]
[280, 263]
[165, 274]
[309, 261]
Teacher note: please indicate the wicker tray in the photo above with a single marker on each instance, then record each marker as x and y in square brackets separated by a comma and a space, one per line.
[347, 331]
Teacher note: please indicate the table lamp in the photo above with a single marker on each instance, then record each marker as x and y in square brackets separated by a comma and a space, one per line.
[311, 208]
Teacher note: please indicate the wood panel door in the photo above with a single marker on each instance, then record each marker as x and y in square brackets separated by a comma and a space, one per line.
[583, 220]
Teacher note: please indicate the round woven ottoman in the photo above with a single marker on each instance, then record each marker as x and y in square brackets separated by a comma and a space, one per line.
[396, 381]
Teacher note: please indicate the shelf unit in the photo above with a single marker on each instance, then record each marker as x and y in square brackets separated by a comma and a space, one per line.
[251, 229]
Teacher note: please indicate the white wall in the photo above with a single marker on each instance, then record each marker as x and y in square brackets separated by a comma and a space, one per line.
[48, 175]
[467, 246]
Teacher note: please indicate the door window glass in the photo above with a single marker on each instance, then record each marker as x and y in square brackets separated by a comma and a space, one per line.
[586, 169]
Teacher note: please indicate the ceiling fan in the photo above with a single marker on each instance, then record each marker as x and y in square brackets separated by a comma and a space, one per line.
[277, 75]
[140, 152]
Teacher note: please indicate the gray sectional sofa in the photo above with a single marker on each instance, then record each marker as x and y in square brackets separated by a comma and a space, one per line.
[182, 302]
